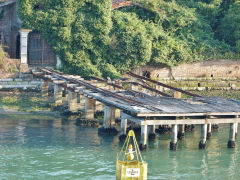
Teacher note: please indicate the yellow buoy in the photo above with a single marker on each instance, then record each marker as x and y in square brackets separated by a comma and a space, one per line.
[130, 164]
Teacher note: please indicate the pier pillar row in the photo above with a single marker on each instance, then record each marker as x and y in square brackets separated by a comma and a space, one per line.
[232, 135]
[44, 89]
[72, 101]
[123, 134]
[90, 106]
[144, 136]
[173, 143]
[152, 132]
[209, 131]
[203, 140]
[57, 95]
[181, 132]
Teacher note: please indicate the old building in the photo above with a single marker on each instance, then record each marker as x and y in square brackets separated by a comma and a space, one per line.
[23, 44]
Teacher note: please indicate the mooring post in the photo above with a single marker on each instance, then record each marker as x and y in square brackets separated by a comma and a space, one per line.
[181, 132]
[203, 140]
[173, 143]
[44, 90]
[90, 106]
[209, 131]
[72, 101]
[123, 134]
[57, 95]
[232, 134]
[152, 132]
[144, 136]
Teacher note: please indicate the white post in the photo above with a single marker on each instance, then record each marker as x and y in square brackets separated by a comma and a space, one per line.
[202, 143]
[24, 44]
[144, 136]
[232, 134]
[173, 143]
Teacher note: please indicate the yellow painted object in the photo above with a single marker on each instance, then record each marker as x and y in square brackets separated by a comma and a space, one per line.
[129, 165]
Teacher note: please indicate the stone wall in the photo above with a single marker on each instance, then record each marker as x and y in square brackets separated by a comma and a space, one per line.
[214, 69]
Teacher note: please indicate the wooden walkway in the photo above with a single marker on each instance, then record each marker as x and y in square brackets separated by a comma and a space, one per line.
[156, 108]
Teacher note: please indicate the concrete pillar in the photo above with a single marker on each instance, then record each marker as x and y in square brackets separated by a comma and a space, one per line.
[202, 143]
[173, 143]
[72, 101]
[81, 103]
[152, 132]
[209, 131]
[144, 136]
[181, 132]
[117, 113]
[236, 130]
[109, 116]
[123, 134]
[89, 108]
[24, 45]
[57, 95]
[44, 90]
[236, 126]
[65, 96]
[232, 134]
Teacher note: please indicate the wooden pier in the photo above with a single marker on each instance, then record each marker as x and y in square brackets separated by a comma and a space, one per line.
[148, 110]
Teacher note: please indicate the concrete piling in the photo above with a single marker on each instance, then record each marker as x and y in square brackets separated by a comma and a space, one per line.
[209, 131]
[203, 140]
[89, 108]
[44, 90]
[173, 143]
[123, 134]
[232, 134]
[72, 101]
[181, 132]
[57, 95]
[109, 120]
[152, 132]
[144, 136]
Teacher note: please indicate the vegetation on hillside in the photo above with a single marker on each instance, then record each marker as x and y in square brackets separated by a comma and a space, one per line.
[93, 40]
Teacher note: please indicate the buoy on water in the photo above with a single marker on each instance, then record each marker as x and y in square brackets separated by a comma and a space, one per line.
[130, 164]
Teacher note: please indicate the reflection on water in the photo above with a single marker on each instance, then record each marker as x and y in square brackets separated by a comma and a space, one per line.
[61, 149]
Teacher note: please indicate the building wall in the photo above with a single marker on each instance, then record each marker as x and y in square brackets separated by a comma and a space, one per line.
[214, 68]
[9, 28]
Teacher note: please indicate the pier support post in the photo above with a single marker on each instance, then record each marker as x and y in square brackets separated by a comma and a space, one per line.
[173, 143]
[89, 108]
[152, 133]
[232, 134]
[209, 131]
[65, 97]
[123, 134]
[44, 90]
[81, 103]
[57, 95]
[109, 119]
[144, 136]
[72, 101]
[203, 140]
[236, 126]
[181, 132]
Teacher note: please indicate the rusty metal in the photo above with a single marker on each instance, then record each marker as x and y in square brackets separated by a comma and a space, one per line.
[161, 84]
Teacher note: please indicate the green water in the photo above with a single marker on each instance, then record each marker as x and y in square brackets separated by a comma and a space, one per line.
[60, 149]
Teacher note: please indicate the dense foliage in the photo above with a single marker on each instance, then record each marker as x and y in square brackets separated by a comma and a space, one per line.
[93, 40]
